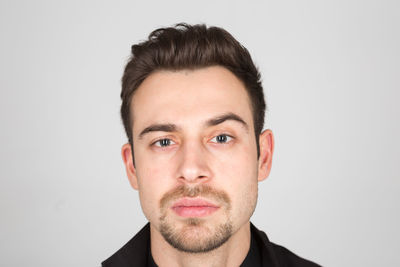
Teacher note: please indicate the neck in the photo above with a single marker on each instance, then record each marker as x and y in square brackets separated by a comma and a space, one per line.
[231, 253]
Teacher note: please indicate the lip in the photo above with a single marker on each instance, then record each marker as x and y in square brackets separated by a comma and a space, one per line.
[194, 207]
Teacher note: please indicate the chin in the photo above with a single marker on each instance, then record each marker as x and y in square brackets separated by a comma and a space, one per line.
[195, 235]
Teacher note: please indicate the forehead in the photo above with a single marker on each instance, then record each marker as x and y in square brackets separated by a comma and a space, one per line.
[188, 97]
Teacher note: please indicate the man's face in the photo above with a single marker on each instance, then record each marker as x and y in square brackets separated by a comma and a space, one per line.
[196, 165]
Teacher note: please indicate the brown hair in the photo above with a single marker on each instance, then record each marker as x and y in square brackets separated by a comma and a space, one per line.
[191, 47]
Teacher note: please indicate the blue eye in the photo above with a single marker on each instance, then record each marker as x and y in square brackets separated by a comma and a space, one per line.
[164, 142]
[222, 139]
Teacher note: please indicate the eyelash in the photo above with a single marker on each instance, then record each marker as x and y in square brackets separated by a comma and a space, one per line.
[159, 144]
[228, 137]
[163, 139]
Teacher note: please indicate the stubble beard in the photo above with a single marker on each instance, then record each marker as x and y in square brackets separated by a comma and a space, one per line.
[196, 235]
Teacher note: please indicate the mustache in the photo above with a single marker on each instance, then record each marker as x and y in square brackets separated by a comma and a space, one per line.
[204, 191]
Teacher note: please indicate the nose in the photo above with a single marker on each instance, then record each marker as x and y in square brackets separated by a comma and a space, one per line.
[193, 166]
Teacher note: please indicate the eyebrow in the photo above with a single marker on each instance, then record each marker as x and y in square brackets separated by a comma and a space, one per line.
[226, 117]
[169, 127]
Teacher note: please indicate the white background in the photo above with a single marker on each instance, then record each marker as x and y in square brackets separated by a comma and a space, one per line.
[331, 77]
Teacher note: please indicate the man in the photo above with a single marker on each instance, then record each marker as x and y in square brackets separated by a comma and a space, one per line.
[193, 110]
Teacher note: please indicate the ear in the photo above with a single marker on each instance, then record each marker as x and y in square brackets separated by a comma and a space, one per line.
[126, 152]
[266, 142]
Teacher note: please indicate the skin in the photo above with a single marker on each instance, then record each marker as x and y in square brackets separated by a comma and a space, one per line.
[219, 155]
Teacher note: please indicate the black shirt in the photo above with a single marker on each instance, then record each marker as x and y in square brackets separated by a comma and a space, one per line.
[262, 252]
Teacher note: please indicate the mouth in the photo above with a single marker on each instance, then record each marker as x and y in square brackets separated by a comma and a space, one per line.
[193, 208]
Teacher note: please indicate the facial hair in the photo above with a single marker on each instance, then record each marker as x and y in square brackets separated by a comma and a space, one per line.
[195, 236]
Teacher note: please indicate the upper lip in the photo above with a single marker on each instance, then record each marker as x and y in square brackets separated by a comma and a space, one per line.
[193, 202]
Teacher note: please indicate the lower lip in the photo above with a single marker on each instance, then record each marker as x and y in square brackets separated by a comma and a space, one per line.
[194, 211]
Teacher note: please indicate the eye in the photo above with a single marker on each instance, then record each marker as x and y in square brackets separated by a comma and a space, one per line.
[222, 139]
[164, 142]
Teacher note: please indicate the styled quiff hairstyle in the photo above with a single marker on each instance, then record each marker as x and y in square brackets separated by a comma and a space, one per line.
[190, 47]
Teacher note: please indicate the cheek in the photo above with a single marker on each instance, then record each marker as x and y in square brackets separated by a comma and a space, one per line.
[238, 167]
[237, 174]
[153, 182]
[150, 170]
